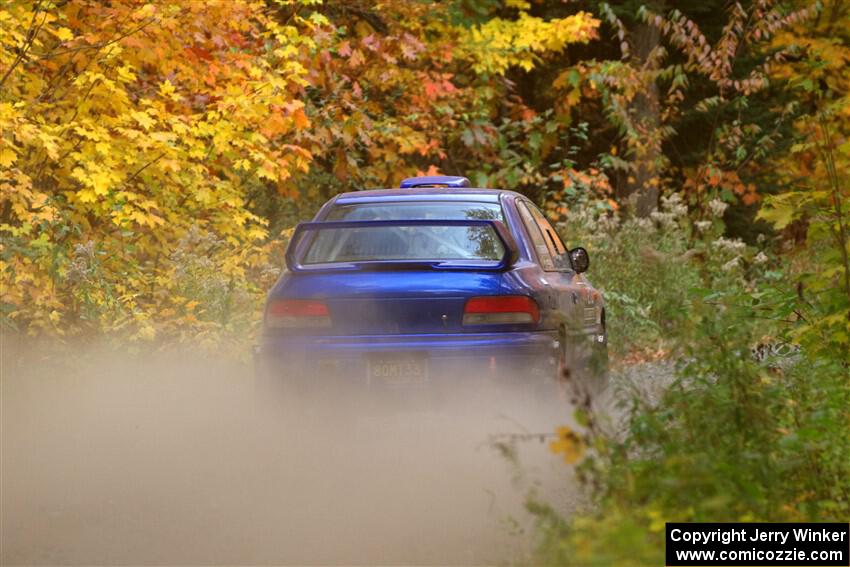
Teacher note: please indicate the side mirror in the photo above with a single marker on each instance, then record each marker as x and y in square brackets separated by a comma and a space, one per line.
[580, 259]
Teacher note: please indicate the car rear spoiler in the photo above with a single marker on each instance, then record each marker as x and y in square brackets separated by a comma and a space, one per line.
[295, 248]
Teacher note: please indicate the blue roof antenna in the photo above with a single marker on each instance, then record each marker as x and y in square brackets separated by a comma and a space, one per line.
[435, 181]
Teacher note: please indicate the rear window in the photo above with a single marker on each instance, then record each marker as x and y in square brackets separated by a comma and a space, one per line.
[448, 210]
[405, 243]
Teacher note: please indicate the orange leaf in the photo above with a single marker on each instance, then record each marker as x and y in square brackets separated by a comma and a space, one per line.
[300, 118]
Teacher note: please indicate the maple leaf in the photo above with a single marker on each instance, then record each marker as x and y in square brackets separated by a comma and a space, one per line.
[371, 42]
[300, 119]
[166, 89]
[64, 34]
[356, 58]
[568, 443]
[432, 89]
[100, 181]
[7, 157]
[144, 119]
[411, 47]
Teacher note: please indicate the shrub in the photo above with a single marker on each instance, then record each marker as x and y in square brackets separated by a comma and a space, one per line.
[645, 266]
[731, 439]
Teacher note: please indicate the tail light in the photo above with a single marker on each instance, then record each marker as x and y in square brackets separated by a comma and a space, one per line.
[500, 310]
[297, 313]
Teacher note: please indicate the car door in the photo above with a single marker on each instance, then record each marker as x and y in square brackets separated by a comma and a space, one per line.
[576, 299]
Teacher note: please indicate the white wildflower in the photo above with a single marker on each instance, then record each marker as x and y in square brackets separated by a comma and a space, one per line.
[644, 223]
[609, 223]
[717, 207]
[737, 245]
[760, 258]
[666, 220]
[703, 225]
[674, 205]
[731, 264]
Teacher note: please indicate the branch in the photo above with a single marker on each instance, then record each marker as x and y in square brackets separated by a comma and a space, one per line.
[31, 34]
[101, 45]
[144, 167]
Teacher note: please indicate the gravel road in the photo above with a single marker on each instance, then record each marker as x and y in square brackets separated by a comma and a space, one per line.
[109, 458]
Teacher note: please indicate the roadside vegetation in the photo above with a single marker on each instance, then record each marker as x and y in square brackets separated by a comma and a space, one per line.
[155, 157]
[752, 426]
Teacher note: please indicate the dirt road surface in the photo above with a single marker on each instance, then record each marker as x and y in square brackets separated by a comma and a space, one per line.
[110, 458]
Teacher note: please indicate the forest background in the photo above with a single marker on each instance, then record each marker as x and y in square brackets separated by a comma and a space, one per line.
[155, 156]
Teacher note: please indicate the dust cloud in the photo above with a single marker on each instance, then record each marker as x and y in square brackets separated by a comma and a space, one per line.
[112, 457]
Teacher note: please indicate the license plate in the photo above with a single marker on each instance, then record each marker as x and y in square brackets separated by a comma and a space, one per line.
[398, 370]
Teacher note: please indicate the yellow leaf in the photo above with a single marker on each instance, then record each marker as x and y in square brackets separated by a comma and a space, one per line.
[267, 171]
[568, 443]
[780, 215]
[126, 74]
[86, 196]
[166, 88]
[144, 120]
[50, 145]
[657, 521]
[7, 157]
[100, 182]
[64, 34]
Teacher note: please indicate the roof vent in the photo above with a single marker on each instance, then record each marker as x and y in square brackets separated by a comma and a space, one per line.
[435, 181]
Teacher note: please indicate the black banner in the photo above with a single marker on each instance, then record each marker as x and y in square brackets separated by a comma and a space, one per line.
[745, 544]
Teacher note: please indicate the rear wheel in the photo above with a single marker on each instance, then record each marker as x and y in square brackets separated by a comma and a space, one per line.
[583, 363]
[598, 363]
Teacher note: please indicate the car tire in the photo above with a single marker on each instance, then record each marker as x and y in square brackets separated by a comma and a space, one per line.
[583, 363]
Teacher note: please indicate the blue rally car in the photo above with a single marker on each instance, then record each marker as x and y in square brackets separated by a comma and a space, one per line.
[434, 281]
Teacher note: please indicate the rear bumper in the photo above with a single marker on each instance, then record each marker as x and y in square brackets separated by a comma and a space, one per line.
[450, 355]
[466, 344]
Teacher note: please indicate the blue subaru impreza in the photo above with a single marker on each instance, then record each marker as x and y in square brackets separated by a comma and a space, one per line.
[434, 281]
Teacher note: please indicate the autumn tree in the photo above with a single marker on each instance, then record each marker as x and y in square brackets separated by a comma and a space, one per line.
[124, 127]
[816, 171]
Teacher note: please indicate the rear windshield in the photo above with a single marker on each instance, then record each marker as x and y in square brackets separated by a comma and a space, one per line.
[443, 210]
[439, 243]
[417, 243]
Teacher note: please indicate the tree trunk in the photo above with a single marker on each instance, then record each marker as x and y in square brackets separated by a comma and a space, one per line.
[642, 184]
